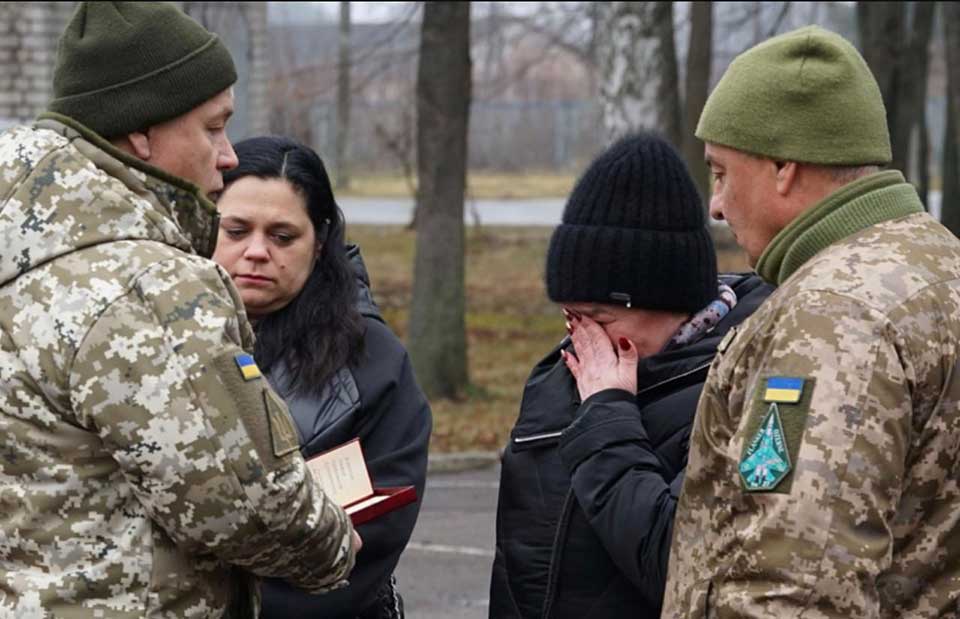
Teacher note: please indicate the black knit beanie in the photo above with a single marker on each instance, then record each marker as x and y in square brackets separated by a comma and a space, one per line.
[124, 66]
[634, 233]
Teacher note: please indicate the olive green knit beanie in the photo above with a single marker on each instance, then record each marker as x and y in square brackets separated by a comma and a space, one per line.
[805, 96]
[124, 66]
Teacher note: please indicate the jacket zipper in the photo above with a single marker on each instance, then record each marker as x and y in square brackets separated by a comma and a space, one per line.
[557, 554]
[565, 513]
[673, 378]
[520, 440]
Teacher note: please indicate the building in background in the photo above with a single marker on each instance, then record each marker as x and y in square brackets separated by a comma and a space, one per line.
[28, 44]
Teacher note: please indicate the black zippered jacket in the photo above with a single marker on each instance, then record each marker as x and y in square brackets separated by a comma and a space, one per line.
[379, 401]
[588, 491]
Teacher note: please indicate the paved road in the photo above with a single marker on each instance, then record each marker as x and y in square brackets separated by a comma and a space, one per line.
[537, 212]
[445, 571]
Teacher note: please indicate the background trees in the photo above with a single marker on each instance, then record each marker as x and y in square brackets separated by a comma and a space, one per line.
[437, 336]
[552, 83]
[950, 168]
[638, 68]
[895, 42]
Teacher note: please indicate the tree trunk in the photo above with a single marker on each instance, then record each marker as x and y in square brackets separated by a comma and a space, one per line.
[950, 172]
[594, 13]
[343, 100]
[923, 162]
[699, 63]
[881, 29]
[437, 340]
[951, 32]
[638, 67]
[899, 58]
[913, 94]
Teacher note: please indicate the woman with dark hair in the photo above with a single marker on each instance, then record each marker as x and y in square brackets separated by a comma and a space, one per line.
[323, 345]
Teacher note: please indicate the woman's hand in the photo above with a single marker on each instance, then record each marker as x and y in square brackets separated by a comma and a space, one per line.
[598, 363]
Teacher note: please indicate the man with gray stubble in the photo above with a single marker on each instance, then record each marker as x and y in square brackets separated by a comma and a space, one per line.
[823, 479]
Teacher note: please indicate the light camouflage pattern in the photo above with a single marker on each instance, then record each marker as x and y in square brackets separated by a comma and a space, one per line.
[136, 466]
[870, 526]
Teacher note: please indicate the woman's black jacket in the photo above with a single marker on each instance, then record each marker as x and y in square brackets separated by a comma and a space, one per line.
[379, 401]
[588, 491]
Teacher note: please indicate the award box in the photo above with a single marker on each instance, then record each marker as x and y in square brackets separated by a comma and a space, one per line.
[343, 475]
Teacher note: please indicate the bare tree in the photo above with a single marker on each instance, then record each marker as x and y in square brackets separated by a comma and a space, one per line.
[898, 56]
[638, 67]
[699, 63]
[567, 27]
[401, 146]
[911, 117]
[950, 173]
[438, 343]
[343, 100]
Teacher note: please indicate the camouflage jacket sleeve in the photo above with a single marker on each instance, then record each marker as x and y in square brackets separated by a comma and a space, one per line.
[209, 450]
[818, 539]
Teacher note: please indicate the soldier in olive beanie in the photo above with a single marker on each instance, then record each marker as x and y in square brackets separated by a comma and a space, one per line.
[124, 66]
[821, 477]
[805, 96]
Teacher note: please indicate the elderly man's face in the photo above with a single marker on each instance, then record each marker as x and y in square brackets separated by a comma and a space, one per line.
[194, 146]
[744, 190]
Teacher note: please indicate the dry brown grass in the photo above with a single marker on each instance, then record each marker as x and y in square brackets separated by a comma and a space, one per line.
[510, 322]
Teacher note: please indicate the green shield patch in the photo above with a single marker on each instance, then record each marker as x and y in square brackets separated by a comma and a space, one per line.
[774, 433]
[767, 460]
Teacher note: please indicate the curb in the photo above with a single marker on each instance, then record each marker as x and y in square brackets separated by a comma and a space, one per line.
[461, 461]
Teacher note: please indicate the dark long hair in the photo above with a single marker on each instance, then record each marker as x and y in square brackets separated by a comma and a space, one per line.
[320, 330]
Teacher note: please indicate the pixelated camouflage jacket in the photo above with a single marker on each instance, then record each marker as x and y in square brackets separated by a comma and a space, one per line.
[832, 490]
[136, 461]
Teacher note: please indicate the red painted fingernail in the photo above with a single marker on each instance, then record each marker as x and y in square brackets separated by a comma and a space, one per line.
[624, 343]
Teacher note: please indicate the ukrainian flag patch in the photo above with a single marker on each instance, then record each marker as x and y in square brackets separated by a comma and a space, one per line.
[248, 367]
[783, 390]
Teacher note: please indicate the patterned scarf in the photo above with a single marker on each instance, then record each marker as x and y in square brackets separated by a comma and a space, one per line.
[705, 320]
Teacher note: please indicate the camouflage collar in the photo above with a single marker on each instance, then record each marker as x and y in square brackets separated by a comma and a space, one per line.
[870, 200]
[195, 215]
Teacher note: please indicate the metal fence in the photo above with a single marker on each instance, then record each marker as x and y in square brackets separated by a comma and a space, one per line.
[503, 136]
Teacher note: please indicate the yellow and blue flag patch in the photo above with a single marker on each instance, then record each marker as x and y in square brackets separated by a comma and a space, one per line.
[783, 390]
[248, 367]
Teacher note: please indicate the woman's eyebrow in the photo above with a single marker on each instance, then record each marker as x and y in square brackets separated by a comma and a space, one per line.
[288, 225]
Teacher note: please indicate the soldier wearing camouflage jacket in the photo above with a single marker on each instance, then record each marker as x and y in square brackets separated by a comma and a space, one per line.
[137, 461]
[822, 479]
[141, 453]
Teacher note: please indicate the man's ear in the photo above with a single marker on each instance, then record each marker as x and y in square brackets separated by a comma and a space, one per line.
[786, 176]
[139, 144]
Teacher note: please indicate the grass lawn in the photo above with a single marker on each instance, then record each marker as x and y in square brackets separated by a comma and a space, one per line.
[510, 322]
